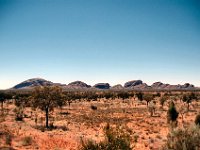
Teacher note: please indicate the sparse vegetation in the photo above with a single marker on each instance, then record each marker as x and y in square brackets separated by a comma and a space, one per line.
[87, 115]
[163, 99]
[26, 141]
[140, 96]
[148, 98]
[115, 139]
[3, 97]
[183, 139]
[172, 114]
[188, 98]
[5, 135]
[47, 98]
[93, 107]
[197, 120]
[151, 108]
[8, 140]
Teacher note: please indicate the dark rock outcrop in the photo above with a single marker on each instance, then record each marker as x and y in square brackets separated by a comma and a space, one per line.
[102, 86]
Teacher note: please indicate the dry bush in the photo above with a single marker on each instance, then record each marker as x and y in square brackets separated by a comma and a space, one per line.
[51, 128]
[172, 114]
[26, 141]
[151, 108]
[6, 136]
[93, 107]
[197, 119]
[115, 139]
[56, 143]
[183, 139]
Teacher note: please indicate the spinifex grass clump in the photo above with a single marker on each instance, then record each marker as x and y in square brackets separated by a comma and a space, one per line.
[183, 139]
[115, 139]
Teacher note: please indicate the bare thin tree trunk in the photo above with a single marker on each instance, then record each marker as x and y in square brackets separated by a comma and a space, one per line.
[2, 107]
[147, 104]
[47, 117]
[188, 106]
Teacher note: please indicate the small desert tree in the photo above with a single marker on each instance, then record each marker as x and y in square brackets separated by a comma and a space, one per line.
[22, 101]
[188, 98]
[123, 95]
[140, 96]
[3, 97]
[47, 98]
[162, 100]
[182, 110]
[152, 108]
[148, 98]
[172, 114]
[197, 120]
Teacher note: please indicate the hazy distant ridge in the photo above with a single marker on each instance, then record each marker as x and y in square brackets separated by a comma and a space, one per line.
[134, 84]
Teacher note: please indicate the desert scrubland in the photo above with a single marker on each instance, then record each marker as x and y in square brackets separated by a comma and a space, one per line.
[138, 119]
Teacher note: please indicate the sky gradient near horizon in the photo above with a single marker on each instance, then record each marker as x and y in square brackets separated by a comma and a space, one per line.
[96, 41]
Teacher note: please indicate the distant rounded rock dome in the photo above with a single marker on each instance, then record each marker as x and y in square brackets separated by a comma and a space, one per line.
[79, 84]
[118, 87]
[33, 83]
[102, 85]
[132, 83]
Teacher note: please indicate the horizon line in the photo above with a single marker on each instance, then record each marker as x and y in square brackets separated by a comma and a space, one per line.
[92, 84]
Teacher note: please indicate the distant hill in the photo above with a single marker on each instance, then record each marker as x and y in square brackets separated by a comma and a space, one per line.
[117, 87]
[102, 86]
[160, 85]
[134, 84]
[32, 83]
[78, 84]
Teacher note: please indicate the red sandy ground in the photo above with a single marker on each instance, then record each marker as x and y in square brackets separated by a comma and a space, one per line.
[83, 122]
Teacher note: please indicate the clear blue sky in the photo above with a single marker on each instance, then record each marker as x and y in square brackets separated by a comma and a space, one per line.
[100, 41]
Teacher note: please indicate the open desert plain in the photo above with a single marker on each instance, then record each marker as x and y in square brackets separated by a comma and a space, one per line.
[97, 119]
[99, 75]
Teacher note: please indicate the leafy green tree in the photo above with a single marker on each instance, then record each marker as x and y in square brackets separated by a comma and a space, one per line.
[47, 98]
